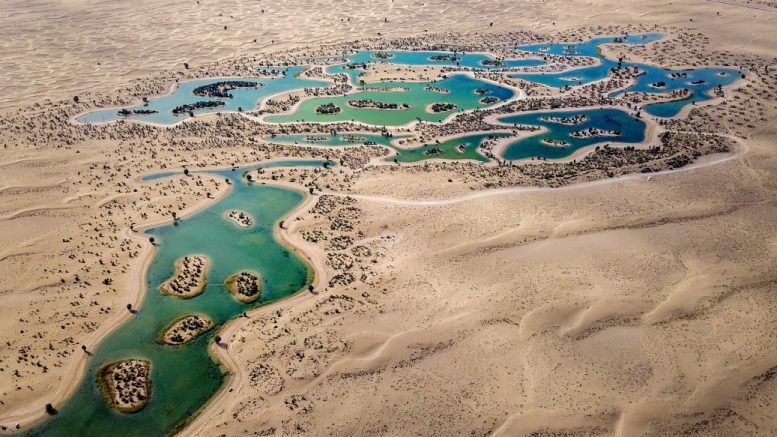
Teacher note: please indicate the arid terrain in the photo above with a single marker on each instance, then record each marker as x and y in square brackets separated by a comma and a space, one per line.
[450, 298]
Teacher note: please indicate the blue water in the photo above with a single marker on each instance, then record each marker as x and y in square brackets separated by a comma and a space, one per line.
[243, 98]
[649, 74]
[633, 131]
[469, 60]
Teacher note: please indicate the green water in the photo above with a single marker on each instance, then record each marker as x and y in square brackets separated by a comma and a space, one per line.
[466, 147]
[461, 92]
[334, 140]
[185, 377]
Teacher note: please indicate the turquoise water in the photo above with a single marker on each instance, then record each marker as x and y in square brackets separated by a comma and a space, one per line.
[466, 147]
[185, 377]
[243, 98]
[649, 74]
[462, 92]
[470, 60]
[334, 140]
[633, 131]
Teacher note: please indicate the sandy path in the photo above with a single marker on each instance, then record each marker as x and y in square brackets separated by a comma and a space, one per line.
[512, 190]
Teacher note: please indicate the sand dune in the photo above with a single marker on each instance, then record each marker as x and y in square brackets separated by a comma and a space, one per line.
[619, 306]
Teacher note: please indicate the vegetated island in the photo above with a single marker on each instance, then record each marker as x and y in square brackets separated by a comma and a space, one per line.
[382, 55]
[246, 286]
[445, 58]
[437, 89]
[185, 329]
[569, 121]
[189, 279]
[489, 100]
[222, 89]
[373, 104]
[554, 142]
[328, 108]
[442, 107]
[595, 132]
[126, 384]
[240, 218]
[124, 112]
[189, 107]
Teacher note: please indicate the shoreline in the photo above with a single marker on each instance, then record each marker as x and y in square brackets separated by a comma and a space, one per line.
[312, 256]
[31, 415]
[235, 375]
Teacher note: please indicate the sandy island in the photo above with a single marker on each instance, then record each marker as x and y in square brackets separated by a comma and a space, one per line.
[185, 329]
[246, 286]
[240, 218]
[189, 279]
[126, 385]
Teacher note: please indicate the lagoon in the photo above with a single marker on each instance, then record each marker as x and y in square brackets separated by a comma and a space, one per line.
[185, 377]
[608, 119]
[245, 99]
[460, 90]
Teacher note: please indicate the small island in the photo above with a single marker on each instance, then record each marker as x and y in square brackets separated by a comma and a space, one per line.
[492, 63]
[445, 58]
[189, 107]
[569, 121]
[374, 104]
[434, 151]
[124, 112]
[245, 286]
[489, 100]
[595, 132]
[437, 89]
[185, 329]
[126, 385]
[316, 138]
[350, 138]
[554, 142]
[190, 277]
[442, 107]
[240, 218]
[328, 108]
[222, 89]
[382, 55]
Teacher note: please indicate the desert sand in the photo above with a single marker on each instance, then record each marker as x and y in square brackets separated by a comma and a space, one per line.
[450, 298]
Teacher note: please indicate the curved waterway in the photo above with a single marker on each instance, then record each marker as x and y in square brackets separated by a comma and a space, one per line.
[184, 377]
[630, 130]
[335, 140]
[477, 61]
[461, 90]
[245, 99]
[466, 147]
[648, 78]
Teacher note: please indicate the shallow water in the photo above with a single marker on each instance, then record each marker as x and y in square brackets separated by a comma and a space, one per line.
[185, 377]
[334, 140]
[650, 75]
[469, 60]
[466, 147]
[243, 98]
[633, 131]
[461, 91]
